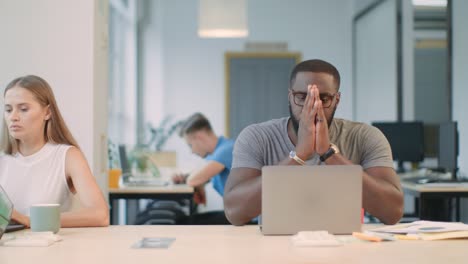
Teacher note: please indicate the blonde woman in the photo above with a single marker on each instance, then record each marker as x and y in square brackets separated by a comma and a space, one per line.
[41, 161]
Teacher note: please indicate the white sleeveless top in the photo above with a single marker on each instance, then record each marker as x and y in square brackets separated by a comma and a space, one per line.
[38, 178]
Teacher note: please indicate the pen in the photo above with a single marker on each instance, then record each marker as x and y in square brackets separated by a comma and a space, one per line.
[367, 237]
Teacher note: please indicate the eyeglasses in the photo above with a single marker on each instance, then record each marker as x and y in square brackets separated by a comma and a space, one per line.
[300, 97]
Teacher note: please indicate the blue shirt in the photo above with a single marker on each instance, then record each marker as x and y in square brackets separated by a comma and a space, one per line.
[223, 155]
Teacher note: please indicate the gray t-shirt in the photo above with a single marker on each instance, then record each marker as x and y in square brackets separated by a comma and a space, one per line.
[268, 143]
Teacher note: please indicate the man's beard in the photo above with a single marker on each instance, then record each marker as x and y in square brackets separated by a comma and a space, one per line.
[295, 121]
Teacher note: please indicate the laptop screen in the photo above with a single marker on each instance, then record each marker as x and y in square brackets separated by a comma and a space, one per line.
[6, 207]
[124, 160]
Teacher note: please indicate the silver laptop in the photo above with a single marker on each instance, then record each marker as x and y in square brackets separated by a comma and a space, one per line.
[307, 198]
[130, 180]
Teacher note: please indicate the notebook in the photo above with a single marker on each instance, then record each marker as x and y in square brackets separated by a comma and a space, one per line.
[310, 198]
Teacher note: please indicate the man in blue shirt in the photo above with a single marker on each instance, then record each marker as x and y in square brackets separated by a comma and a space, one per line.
[217, 151]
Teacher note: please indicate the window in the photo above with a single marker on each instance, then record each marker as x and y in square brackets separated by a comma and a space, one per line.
[122, 72]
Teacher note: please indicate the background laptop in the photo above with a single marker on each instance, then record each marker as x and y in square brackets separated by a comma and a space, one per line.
[307, 198]
[135, 181]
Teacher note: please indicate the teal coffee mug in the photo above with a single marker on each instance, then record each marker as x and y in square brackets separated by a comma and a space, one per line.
[45, 217]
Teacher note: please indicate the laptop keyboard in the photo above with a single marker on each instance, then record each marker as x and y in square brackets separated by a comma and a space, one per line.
[142, 182]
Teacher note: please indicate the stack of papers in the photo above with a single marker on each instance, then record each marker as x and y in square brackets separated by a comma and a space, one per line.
[31, 239]
[427, 230]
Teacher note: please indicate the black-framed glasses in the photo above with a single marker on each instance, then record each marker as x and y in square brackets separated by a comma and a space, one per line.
[326, 98]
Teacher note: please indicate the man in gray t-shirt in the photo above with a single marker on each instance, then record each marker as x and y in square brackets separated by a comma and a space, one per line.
[311, 136]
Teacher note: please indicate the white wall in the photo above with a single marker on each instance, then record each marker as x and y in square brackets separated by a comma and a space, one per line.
[360, 5]
[376, 64]
[153, 51]
[377, 45]
[63, 41]
[460, 78]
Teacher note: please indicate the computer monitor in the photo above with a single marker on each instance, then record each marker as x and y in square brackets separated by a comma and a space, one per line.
[124, 160]
[406, 140]
[448, 147]
[431, 140]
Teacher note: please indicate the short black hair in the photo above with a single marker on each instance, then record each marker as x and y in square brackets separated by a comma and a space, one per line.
[195, 122]
[315, 65]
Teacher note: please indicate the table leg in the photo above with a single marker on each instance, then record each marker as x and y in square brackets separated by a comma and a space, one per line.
[421, 207]
[132, 207]
[112, 211]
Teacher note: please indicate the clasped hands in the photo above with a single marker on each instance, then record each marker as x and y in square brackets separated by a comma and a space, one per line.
[312, 135]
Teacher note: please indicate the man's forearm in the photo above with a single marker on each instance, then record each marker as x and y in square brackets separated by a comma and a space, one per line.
[205, 173]
[244, 202]
[381, 198]
[193, 181]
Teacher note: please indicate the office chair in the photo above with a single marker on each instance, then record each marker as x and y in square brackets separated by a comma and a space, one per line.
[161, 212]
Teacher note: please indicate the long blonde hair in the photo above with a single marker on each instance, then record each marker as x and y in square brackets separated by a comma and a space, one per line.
[55, 130]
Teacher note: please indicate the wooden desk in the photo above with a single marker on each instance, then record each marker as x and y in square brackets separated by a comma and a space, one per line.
[223, 244]
[169, 192]
[424, 192]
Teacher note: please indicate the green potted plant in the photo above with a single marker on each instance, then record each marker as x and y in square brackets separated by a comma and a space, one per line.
[148, 156]
[160, 134]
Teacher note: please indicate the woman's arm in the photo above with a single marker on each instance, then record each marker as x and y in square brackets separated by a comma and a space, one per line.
[94, 210]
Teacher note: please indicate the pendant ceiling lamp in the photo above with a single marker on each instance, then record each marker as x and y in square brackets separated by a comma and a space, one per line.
[222, 19]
